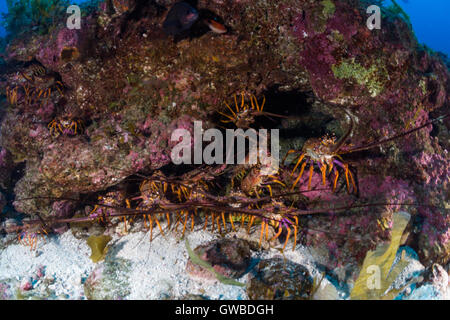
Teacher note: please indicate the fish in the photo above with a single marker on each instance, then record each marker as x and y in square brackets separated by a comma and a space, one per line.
[180, 18]
[215, 26]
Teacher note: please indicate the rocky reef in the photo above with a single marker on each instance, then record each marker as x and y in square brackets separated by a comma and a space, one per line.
[91, 110]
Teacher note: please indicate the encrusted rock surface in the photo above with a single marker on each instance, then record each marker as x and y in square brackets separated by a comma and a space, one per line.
[108, 281]
[130, 86]
[279, 279]
[229, 257]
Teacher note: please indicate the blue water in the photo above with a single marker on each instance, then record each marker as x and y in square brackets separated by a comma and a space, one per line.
[430, 20]
[4, 9]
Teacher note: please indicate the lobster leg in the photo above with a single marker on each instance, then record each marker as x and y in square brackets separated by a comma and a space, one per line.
[159, 226]
[227, 116]
[224, 221]
[287, 238]
[287, 155]
[280, 229]
[336, 172]
[232, 112]
[323, 168]
[213, 216]
[168, 220]
[252, 219]
[353, 181]
[230, 217]
[262, 232]
[299, 176]
[93, 210]
[262, 105]
[274, 179]
[298, 163]
[218, 225]
[270, 189]
[295, 237]
[206, 222]
[346, 178]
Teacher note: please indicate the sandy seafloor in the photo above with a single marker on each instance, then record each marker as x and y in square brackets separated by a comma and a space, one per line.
[58, 268]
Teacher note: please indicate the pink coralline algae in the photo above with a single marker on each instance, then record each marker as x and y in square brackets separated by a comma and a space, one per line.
[26, 285]
[436, 169]
[63, 209]
[131, 87]
[389, 188]
[50, 52]
[434, 240]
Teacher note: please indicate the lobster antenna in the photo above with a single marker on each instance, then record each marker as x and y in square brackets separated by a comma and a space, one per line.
[377, 143]
[349, 132]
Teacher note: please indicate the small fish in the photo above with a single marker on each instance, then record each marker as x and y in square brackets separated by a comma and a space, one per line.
[180, 18]
[215, 26]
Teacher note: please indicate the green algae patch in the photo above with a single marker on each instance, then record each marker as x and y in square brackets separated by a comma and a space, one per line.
[321, 12]
[98, 245]
[373, 78]
[328, 8]
[378, 271]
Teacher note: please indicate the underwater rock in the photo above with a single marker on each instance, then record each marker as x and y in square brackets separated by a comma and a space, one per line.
[10, 225]
[51, 53]
[72, 165]
[180, 18]
[3, 201]
[6, 168]
[6, 292]
[435, 285]
[279, 279]
[108, 280]
[434, 239]
[26, 284]
[347, 236]
[69, 54]
[229, 257]
[357, 79]
[122, 6]
[438, 277]
[131, 89]
[63, 209]
[193, 297]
